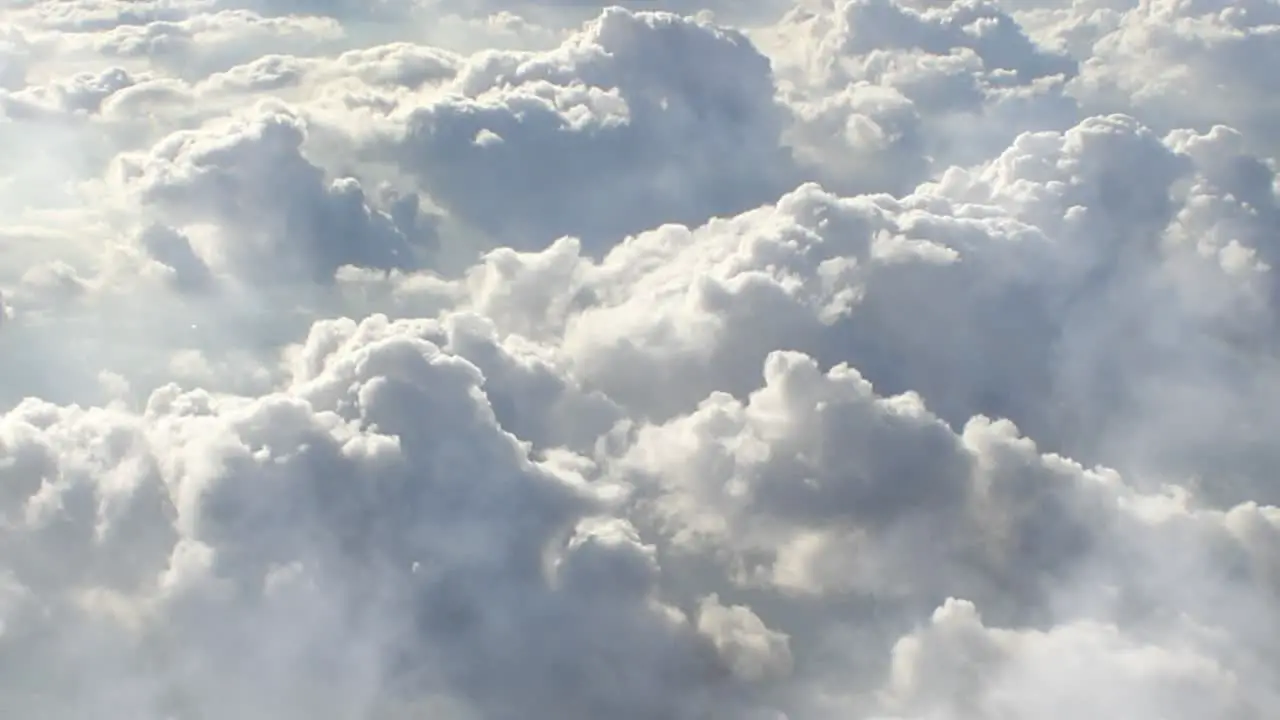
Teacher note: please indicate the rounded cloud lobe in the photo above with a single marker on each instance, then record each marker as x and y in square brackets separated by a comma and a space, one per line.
[855, 358]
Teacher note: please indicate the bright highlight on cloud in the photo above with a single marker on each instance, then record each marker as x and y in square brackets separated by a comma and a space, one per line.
[857, 359]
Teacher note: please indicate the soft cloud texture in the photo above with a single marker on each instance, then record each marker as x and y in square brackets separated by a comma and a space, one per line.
[869, 359]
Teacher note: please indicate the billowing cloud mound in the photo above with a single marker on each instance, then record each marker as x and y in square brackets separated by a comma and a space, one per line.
[868, 359]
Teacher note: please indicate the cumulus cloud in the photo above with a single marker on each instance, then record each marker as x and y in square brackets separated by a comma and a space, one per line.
[226, 179]
[870, 359]
[638, 116]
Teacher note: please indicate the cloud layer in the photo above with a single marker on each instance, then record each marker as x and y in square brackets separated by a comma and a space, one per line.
[867, 359]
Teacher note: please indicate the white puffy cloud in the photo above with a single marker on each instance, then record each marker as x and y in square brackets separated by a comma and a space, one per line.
[639, 116]
[869, 359]
[1168, 59]
[957, 667]
[885, 93]
[228, 178]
